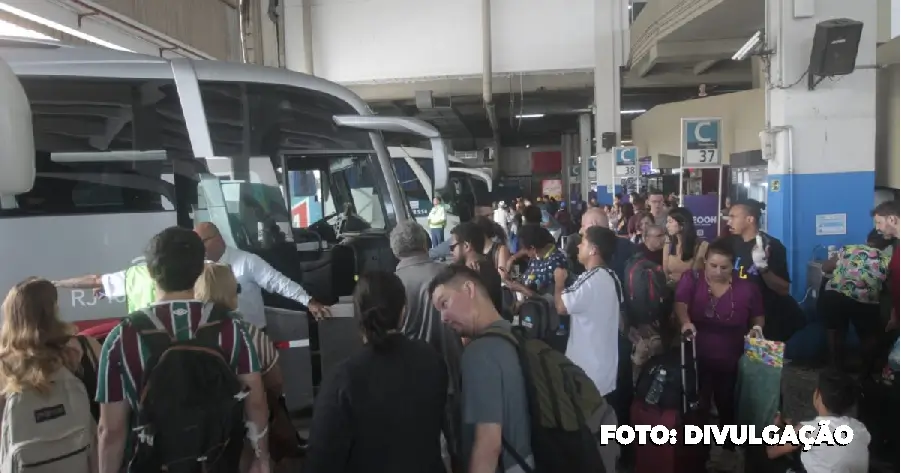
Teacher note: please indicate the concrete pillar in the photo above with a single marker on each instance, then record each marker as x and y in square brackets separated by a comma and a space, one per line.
[758, 73]
[823, 141]
[299, 35]
[610, 25]
[269, 35]
[584, 153]
[570, 154]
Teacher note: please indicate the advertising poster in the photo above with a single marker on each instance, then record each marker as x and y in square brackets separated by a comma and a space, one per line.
[705, 209]
[552, 188]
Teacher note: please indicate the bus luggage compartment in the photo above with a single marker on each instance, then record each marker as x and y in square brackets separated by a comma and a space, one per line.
[307, 361]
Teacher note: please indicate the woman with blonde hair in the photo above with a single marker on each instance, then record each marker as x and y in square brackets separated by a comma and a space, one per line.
[35, 345]
[217, 285]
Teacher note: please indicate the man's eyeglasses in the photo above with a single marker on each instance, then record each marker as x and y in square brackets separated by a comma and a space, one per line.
[453, 246]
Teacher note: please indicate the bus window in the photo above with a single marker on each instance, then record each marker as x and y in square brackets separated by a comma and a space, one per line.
[413, 188]
[408, 181]
[291, 121]
[482, 194]
[104, 146]
[306, 197]
[352, 189]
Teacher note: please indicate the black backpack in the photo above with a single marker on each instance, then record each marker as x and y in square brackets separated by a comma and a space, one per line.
[88, 374]
[190, 415]
[533, 321]
[561, 398]
[648, 297]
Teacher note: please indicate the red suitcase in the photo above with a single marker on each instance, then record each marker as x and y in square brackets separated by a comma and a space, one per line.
[678, 458]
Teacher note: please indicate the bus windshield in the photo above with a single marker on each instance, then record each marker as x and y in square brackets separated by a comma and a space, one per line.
[294, 128]
[327, 186]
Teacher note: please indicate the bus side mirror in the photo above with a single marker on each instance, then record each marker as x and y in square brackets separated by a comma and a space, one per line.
[17, 135]
[408, 125]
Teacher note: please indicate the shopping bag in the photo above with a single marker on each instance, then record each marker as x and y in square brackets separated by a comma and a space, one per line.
[759, 382]
[768, 352]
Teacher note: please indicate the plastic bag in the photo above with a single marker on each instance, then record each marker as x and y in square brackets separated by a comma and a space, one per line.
[768, 352]
[757, 389]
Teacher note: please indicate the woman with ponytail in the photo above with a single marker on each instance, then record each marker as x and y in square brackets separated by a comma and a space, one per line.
[383, 408]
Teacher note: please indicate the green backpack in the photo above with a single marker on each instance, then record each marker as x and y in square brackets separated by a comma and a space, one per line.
[561, 397]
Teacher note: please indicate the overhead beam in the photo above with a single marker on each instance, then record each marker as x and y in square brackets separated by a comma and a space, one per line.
[646, 63]
[472, 85]
[736, 76]
[704, 66]
[696, 51]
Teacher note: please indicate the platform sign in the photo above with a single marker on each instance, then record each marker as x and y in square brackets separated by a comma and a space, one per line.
[702, 141]
[575, 171]
[626, 169]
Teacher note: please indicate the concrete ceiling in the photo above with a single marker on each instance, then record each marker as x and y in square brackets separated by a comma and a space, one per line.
[668, 65]
[698, 39]
[462, 119]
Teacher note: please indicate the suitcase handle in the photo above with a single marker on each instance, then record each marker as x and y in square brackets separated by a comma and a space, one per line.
[689, 405]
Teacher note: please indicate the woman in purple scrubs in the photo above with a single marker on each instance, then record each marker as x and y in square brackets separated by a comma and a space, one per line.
[719, 307]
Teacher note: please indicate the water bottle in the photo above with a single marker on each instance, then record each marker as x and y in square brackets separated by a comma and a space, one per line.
[832, 251]
[656, 390]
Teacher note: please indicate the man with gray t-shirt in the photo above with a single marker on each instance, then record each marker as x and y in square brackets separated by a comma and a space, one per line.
[495, 409]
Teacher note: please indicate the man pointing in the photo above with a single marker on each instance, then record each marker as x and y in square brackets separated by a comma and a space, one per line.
[254, 273]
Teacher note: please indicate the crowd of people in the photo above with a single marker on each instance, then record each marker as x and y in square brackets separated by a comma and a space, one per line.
[191, 371]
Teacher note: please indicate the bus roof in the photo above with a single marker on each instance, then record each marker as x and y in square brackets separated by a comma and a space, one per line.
[417, 153]
[31, 57]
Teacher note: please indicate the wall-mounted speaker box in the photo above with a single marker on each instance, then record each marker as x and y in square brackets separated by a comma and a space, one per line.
[834, 50]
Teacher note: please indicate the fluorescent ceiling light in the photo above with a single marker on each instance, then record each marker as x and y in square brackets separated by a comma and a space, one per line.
[58, 27]
[632, 112]
[749, 46]
[626, 142]
[531, 115]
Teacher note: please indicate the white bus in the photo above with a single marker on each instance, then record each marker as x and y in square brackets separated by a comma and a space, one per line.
[125, 145]
[468, 190]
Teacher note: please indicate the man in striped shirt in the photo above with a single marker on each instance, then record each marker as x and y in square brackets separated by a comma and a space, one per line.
[175, 259]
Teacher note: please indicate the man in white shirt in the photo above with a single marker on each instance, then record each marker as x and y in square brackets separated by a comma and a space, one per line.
[593, 303]
[254, 273]
[251, 271]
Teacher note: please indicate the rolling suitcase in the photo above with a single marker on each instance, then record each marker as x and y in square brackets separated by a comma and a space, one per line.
[678, 458]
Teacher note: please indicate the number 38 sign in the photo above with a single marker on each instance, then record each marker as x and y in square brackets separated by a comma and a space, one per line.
[701, 142]
[625, 168]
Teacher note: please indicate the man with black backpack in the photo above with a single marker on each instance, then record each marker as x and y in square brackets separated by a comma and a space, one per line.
[525, 406]
[178, 379]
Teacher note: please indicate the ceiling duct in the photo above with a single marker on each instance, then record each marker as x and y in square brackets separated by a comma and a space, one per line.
[439, 111]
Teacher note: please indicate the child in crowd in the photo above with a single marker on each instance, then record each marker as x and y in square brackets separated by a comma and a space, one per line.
[834, 397]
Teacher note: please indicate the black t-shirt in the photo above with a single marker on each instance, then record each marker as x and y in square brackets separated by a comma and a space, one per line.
[492, 281]
[777, 259]
[783, 314]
